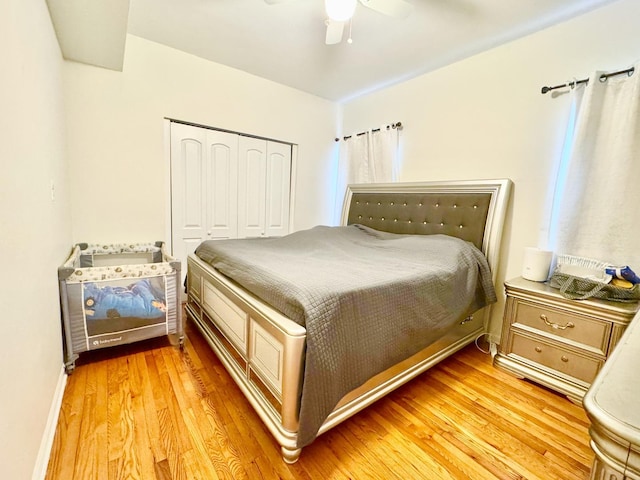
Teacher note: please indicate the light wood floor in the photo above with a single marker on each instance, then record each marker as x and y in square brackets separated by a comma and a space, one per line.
[151, 411]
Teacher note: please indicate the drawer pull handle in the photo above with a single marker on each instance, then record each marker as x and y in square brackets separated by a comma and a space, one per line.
[555, 326]
[538, 349]
[564, 358]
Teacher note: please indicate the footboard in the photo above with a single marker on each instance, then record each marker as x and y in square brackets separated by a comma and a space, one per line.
[262, 349]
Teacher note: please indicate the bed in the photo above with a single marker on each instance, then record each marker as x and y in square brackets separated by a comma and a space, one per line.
[114, 294]
[282, 357]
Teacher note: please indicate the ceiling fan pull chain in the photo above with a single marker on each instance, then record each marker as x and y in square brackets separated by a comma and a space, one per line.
[350, 40]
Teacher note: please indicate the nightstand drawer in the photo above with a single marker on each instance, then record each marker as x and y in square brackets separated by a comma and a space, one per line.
[583, 330]
[554, 358]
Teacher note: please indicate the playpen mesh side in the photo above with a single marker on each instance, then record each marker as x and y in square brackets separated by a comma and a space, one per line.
[76, 327]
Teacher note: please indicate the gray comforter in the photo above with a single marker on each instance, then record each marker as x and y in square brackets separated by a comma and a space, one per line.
[367, 299]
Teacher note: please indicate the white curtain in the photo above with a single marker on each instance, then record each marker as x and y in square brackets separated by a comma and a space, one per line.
[383, 155]
[596, 211]
[354, 159]
[371, 156]
[368, 157]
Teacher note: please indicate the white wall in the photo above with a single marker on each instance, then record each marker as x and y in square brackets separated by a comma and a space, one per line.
[35, 232]
[116, 138]
[484, 117]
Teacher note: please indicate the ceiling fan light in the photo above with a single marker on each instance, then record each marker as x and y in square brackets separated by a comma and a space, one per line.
[340, 10]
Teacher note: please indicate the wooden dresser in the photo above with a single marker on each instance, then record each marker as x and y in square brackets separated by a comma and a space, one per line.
[559, 343]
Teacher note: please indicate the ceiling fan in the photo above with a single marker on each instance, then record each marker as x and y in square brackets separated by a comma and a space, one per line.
[340, 12]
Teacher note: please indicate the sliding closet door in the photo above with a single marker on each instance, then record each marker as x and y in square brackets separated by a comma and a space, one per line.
[264, 175]
[204, 179]
[226, 185]
[188, 216]
[252, 175]
[221, 185]
[278, 189]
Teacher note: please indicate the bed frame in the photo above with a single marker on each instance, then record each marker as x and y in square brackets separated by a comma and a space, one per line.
[263, 350]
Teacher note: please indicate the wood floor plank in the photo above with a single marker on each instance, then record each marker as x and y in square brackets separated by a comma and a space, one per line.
[143, 430]
[100, 374]
[519, 443]
[171, 446]
[149, 409]
[425, 456]
[536, 413]
[162, 470]
[184, 410]
[222, 457]
[231, 459]
[116, 371]
[564, 468]
[425, 431]
[220, 407]
[174, 423]
[87, 454]
[67, 438]
[491, 459]
[387, 447]
[357, 455]
[488, 439]
[128, 464]
[157, 412]
[169, 430]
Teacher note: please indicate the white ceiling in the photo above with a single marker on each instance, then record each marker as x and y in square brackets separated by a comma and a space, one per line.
[92, 32]
[285, 42]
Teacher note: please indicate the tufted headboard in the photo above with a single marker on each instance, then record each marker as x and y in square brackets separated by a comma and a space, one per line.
[471, 210]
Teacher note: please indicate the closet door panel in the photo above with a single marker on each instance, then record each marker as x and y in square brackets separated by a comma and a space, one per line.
[188, 216]
[222, 185]
[252, 171]
[192, 211]
[278, 189]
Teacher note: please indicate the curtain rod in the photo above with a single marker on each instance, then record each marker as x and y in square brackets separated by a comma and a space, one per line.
[602, 78]
[393, 125]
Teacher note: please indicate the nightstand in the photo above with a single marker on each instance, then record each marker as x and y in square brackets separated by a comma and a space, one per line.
[559, 343]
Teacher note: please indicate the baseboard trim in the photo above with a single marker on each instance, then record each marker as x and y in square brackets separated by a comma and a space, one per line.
[42, 462]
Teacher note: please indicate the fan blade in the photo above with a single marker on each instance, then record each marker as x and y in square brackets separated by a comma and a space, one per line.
[334, 32]
[392, 8]
[273, 2]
